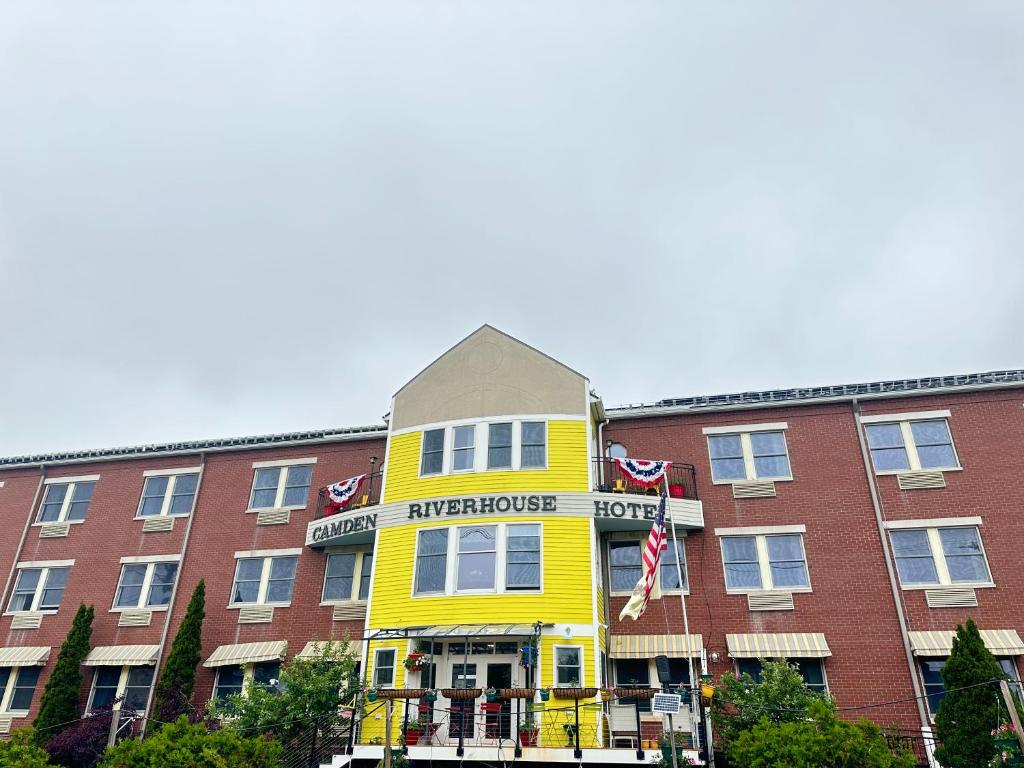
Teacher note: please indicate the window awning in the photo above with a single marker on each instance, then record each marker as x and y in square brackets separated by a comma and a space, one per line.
[792, 645]
[309, 651]
[247, 653]
[1000, 642]
[649, 646]
[122, 656]
[24, 656]
[475, 630]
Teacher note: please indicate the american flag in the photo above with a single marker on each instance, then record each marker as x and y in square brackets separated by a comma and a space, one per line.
[646, 587]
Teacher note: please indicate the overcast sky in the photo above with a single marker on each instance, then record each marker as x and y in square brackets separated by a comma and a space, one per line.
[225, 218]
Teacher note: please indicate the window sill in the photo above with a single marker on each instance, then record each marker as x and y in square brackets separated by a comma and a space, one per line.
[484, 593]
[346, 603]
[888, 472]
[672, 592]
[291, 508]
[57, 522]
[123, 608]
[748, 590]
[753, 480]
[963, 584]
[42, 611]
[19, 713]
[236, 606]
[159, 517]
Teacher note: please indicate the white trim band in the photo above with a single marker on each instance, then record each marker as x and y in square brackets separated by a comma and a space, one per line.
[45, 563]
[885, 418]
[71, 479]
[151, 559]
[268, 552]
[178, 471]
[933, 522]
[283, 463]
[772, 426]
[760, 530]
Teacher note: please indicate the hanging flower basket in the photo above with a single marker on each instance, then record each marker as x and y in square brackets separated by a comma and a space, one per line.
[574, 693]
[430, 695]
[371, 694]
[635, 693]
[517, 693]
[491, 694]
[545, 694]
[401, 693]
[461, 693]
[413, 662]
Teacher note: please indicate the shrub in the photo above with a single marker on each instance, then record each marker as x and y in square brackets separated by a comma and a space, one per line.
[177, 681]
[81, 743]
[21, 752]
[185, 744]
[965, 719]
[58, 706]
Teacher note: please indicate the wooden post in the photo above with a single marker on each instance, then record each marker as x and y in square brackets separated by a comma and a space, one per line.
[115, 721]
[1011, 707]
[388, 706]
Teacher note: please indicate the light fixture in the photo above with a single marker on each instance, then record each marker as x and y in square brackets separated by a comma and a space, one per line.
[715, 656]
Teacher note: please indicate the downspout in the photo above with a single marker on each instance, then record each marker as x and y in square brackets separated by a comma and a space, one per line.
[174, 594]
[24, 530]
[887, 555]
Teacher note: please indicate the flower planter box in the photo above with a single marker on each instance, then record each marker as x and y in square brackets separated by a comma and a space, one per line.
[401, 693]
[574, 693]
[528, 737]
[635, 693]
[461, 693]
[412, 736]
[516, 693]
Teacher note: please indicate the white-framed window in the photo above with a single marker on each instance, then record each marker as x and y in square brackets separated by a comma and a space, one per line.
[347, 576]
[168, 494]
[112, 683]
[473, 559]
[17, 687]
[935, 688]
[264, 580]
[765, 562]
[568, 666]
[910, 444]
[748, 452]
[66, 499]
[233, 679]
[39, 588]
[940, 555]
[625, 564]
[499, 446]
[281, 486]
[384, 667]
[811, 670]
[145, 585]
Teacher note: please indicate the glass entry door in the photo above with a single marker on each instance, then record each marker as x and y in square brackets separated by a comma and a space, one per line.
[498, 724]
[462, 710]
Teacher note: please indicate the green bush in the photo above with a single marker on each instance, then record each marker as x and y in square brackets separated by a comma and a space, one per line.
[20, 752]
[967, 715]
[183, 745]
[173, 694]
[58, 706]
[821, 741]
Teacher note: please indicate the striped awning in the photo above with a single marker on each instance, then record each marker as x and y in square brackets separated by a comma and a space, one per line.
[24, 656]
[247, 653]
[792, 645]
[1000, 642]
[309, 651]
[122, 656]
[649, 646]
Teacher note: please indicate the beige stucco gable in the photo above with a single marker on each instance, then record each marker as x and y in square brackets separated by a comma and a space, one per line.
[487, 374]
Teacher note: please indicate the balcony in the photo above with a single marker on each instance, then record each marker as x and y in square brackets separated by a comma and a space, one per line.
[367, 496]
[608, 478]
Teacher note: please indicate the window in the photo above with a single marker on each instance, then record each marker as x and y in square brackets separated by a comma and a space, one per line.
[112, 683]
[230, 681]
[431, 561]
[17, 687]
[477, 557]
[568, 666]
[341, 583]
[499, 446]
[274, 487]
[634, 673]
[433, 452]
[626, 566]
[935, 689]
[168, 495]
[267, 674]
[770, 561]
[617, 451]
[462, 448]
[145, 585]
[534, 445]
[66, 502]
[911, 445]
[522, 569]
[939, 556]
[811, 670]
[264, 580]
[39, 589]
[753, 455]
[384, 667]
[505, 557]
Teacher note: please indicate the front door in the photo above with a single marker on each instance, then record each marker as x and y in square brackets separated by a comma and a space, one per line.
[498, 722]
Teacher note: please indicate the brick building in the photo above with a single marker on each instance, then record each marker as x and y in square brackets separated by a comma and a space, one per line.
[848, 529]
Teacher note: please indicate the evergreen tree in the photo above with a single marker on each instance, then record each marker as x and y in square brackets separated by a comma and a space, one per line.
[58, 706]
[178, 677]
[970, 711]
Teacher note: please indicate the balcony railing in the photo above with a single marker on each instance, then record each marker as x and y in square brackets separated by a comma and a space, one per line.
[368, 496]
[682, 480]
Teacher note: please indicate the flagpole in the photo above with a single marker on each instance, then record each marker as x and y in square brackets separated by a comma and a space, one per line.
[694, 727]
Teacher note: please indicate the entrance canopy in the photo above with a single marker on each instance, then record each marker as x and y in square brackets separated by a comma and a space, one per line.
[457, 631]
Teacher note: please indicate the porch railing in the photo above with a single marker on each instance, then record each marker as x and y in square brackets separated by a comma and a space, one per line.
[682, 480]
[367, 496]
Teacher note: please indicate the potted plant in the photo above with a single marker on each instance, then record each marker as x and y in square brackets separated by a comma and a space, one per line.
[413, 731]
[371, 693]
[430, 695]
[414, 661]
[528, 734]
[677, 490]
[570, 734]
[606, 694]
[491, 694]
[573, 691]
[545, 694]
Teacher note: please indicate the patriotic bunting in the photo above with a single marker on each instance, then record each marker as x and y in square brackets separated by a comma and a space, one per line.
[645, 473]
[340, 494]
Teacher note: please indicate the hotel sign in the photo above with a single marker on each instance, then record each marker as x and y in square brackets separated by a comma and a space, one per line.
[608, 509]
